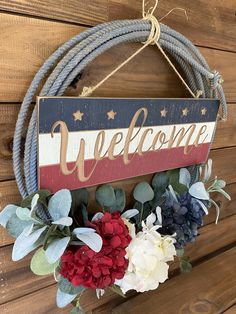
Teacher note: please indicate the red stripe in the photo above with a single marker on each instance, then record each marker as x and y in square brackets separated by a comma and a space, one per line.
[107, 171]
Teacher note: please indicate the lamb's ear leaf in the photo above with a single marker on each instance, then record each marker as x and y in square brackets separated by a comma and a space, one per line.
[59, 204]
[63, 299]
[56, 248]
[119, 204]
[93, 240]
[15, 226]
[25, 243]
[43, 194]
[143, 192]
[198, 190]
[130, 213]
[184, 177]
[23, 213]
[67, 287]
[64, 221]
[39, 264]
[6, 214]
[105, 195]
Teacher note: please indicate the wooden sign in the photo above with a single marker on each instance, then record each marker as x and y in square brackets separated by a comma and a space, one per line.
[89, 141]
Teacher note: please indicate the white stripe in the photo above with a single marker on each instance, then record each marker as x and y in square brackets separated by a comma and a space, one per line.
[49, 148]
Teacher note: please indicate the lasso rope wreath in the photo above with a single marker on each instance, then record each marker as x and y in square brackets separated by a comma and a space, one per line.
[117, 248]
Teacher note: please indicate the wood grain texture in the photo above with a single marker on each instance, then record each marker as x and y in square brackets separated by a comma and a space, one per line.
[210, 293]
[213, 291]
[231, 310]
[40, 302]
[217, 19]
[89, 12]
[148, 75]
[225, 135]
[19, 281]
[16, 277]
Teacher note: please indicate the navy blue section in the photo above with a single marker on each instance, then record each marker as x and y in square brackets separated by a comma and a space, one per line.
[95, 112]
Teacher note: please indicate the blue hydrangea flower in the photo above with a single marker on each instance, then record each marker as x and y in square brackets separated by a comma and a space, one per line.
[182, 216]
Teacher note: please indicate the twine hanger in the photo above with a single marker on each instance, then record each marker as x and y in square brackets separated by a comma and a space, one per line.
[153, 39]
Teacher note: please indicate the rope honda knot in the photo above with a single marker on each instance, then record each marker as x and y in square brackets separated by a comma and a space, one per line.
[216, 79]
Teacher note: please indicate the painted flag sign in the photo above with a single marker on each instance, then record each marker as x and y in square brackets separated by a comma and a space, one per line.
[89, 141]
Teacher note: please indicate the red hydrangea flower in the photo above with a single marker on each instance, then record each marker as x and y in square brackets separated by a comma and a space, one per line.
[82, 266]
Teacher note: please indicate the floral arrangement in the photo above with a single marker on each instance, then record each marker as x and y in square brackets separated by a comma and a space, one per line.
[117, 248]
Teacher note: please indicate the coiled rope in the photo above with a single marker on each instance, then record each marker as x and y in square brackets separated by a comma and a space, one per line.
[69, 60]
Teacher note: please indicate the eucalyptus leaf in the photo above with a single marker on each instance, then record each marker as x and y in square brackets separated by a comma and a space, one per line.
[105, 195]
[160, 180]
[59, 204]
[198, 190]
[43, 194]
[79, 196]
[63, 299]
[173, 176]
[56, 248]
[24, 244]
[77, 310]
[39, 264]
[84, 214]
[6, 214]
[68, 288]
[15, 226]
[93, 240]
[117, 290]
[143, 192]
[179, 188]
[119, 204]
[185, 265]
[180, 252]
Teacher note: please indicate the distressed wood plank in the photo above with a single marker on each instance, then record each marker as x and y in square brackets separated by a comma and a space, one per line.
[208, 294]
[148, 74]
[22, 53]
[231, 310]
[210, 23]
[225, 135]
[19, 281]
[40, 302]
[16, 277]
[89, 12]
[141, 77]
[217, 19]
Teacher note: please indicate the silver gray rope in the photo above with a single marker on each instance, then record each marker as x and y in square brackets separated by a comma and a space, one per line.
[69, 60]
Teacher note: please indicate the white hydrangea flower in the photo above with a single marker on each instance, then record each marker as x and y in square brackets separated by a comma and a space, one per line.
[148, 254]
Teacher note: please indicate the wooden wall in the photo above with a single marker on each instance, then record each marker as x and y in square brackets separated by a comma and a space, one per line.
[30, 30]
